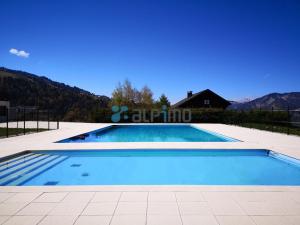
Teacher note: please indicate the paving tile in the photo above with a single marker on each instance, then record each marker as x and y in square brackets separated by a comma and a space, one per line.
[8, 209]
[295, 220]
[260, 196]
[23, 197]
[106, 197]
[51, 197]
[295, 196]
[163, 220]
[129, 220]
[235, 220]
[162, 208]
[263, 208]
[68, 209]
[217, 196]
[226, 207]
[93, 220]
[194, 208]
[198, 220]
[74, 197]
[189, 197]
[125, 208]
[134, 197]
[161, 197]
[58, 220]
[36, 209]
[100, 209]
[5, 195]
[291, 208]
[272, 220]
[23, 220]
[3, 219]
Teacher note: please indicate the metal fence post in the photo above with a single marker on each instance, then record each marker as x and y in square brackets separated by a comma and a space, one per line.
[272, 122]
[48, 118]
[37, 120]
[7, 121]
[24, 117]
[17, 112]
[288, 120]
[57, 125]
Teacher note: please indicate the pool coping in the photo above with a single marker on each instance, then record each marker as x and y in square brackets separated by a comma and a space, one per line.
[226, 138]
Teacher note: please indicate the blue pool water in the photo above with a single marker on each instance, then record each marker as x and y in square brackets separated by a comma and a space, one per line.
[149, 133]
[150, 167]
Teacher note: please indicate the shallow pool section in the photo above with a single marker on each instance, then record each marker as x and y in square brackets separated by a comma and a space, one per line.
[150, 167]
[149, 133]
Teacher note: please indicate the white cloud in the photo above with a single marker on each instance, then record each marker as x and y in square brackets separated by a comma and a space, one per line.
[20, 53]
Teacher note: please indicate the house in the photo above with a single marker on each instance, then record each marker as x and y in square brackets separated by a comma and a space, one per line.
[202, 99]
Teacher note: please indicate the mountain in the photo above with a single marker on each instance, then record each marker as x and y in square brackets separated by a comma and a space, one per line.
[69, 103]
[275, 100]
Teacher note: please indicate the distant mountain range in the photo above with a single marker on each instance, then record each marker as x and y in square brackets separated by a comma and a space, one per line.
[26, 89]
[75, 104]
[276, 100]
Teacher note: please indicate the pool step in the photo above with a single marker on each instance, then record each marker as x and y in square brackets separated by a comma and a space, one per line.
[16, 159]
[26, 159]
[36, 171]
[14, 169]
[29, 169]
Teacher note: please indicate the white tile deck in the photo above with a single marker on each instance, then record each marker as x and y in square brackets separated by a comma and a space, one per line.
[197, 220]
[195, 208]
[163, 220]
[134, 197]
[51, 197]
[151, 205]
[128, 219]
[235, 220]
[106, 197]
[58, 220]
[36, 209]
[162, 208]
[23, 220]
[68, 209]
[131, 208]
[221, 211]
[100, 209]
[93, 220]
[189, 197]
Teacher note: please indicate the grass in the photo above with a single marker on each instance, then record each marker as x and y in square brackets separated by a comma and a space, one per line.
[279, 128]
[17, 131]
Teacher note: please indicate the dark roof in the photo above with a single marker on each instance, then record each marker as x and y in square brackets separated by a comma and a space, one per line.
[195, 95]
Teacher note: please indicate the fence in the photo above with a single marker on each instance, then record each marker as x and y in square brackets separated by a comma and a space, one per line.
[23, 120]
[283, 121]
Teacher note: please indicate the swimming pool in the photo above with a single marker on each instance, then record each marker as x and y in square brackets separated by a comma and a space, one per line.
[149, 133]
[150, 167]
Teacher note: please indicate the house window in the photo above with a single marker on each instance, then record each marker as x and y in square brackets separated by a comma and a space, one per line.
[206, 102]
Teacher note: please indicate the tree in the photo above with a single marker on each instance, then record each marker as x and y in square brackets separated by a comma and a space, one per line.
[117, 95]
[146, 96]
[126, 94]
[163, 100]
[137, 97]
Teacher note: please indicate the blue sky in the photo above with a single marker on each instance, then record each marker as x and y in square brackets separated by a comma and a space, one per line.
[237, 48]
